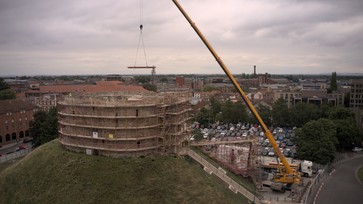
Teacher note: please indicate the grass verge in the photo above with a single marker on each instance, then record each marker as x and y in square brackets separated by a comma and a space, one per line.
[360, 174]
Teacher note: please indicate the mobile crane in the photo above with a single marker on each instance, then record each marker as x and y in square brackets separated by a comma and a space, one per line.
[286, 176]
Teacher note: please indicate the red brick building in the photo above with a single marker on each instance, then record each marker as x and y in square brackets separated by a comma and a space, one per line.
[14, 120]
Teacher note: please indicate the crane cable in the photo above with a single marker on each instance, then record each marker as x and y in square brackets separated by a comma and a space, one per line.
[141, 37]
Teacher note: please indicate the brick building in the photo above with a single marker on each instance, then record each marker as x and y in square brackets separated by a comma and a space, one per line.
[356, 101]
[14, 119]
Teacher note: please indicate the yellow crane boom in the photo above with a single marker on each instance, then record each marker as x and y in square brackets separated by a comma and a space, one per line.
[286, 177]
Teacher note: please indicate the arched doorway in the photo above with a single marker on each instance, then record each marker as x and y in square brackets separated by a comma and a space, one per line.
[1, 139]
[7, 137]
[26, 133]
[21, 134]
[13, 136]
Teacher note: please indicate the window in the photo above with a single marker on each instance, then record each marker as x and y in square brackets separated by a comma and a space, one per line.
[137, 112]
[6, 121]
[7, 137]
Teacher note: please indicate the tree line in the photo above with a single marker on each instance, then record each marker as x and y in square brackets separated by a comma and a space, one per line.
[5, 91]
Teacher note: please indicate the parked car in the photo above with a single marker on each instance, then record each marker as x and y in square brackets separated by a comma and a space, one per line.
[265, 151]
[28, 139]
[271, 153]
[21, 147]
[357, 149]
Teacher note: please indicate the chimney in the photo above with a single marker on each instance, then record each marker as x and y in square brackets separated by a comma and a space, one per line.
[254, 70]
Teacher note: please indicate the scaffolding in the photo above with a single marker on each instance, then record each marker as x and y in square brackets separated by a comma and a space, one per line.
[240, 157]
[124, 124]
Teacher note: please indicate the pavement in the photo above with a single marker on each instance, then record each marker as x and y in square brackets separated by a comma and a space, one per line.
[342, 186]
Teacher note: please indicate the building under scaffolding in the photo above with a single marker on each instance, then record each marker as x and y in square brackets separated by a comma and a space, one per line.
[125, 124]
[240, 158]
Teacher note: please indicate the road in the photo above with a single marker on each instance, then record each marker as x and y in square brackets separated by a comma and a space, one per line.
[343, 186]
[13, 147]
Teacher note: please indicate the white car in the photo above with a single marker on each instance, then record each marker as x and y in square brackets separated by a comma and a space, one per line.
[357, 149]
[271, 153]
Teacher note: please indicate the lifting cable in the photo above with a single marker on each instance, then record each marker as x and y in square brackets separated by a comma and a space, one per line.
[141, 37]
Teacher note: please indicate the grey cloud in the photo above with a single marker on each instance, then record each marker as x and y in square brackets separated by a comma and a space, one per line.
[101, 36]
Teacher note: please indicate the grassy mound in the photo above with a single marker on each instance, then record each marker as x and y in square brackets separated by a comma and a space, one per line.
[51, 174]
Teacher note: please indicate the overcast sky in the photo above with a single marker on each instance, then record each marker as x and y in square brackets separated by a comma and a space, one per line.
[101, 36]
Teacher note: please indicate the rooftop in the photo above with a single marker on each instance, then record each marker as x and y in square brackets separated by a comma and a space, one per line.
[15, 105]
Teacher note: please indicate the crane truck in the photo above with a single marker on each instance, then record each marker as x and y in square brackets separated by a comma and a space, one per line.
[285, 176]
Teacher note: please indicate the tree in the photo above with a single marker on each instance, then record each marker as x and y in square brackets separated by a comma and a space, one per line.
[164, 79]
[333, 82]
[3, 85]
[265, 114]
[7, 94]
[149, 87]
[233, 112]
[142, 79]
[204, 117]
[44, 127]
[198, 136]
[5, 91]
[215, 108]
[280, 113]
[301, 113]
[316, 141]
[209, 88]
[347, 130]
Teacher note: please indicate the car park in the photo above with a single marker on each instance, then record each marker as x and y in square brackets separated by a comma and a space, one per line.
[240, 131]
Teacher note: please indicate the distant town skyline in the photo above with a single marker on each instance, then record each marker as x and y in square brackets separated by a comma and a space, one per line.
[82, 37]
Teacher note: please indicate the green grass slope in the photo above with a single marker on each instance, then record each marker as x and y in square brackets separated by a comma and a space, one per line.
[51, 174]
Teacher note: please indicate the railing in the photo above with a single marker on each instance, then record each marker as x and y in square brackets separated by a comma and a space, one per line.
[233, 185]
